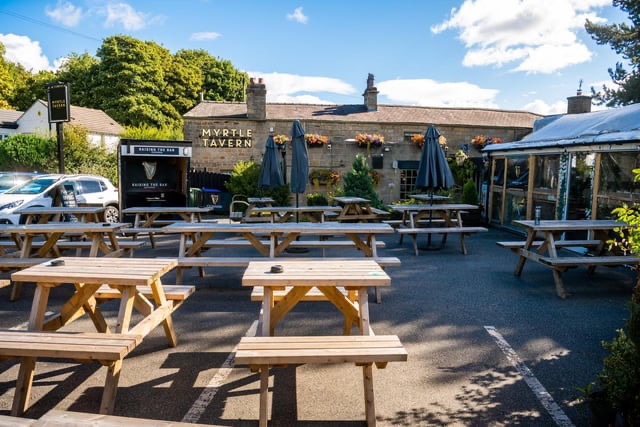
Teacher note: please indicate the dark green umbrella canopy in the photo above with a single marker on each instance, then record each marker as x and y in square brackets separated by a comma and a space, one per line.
[299, 160]
[270, 171]
[433, 171]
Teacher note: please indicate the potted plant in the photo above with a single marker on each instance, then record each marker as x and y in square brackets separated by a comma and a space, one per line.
[469, 196]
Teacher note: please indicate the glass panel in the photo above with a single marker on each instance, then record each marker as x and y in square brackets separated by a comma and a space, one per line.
[497, 179]
[580, 188]
[545, 187]
[616, 182]
[516, 191]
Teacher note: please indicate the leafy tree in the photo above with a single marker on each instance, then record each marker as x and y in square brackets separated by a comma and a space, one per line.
[27, 153]
[624, 39]
[358, 182]
[80, 71]
[145, 131]
[32, 89]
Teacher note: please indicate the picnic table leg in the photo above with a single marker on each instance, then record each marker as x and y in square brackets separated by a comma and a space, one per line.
[264, 395]
[110, 387]
[369, 397]
[557, 278]
[23, 386]
[527, 247]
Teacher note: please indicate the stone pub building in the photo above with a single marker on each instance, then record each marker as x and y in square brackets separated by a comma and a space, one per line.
[225, 132]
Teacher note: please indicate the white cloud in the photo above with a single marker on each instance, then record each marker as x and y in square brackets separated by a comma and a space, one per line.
[540, 107]
[204, 36]
[24, 51]
[282, 87]
[539, 36]
[426, 92]
[125, 15]
[65, 13]
[298, 16]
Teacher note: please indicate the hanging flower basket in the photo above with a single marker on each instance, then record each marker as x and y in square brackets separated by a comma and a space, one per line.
[281, 139]
[481, 141]
[418, 139]
[324, 176]
[368, 140]
[315, 140]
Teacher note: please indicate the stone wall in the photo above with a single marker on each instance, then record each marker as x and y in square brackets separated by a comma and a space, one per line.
[342, 153]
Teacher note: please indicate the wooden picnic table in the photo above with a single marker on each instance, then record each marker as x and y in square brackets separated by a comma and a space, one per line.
[440, 218]
[254, 203]
[546, 251]
[43, 215]
[358, 209]
[88, 276]
[146, 219]
[286, 213]
[280, 235]
[328, 276]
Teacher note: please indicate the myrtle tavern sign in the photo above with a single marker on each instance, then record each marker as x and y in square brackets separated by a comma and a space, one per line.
[226, 138]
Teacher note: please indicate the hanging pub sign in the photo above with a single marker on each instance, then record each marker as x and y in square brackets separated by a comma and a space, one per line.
[58, 97]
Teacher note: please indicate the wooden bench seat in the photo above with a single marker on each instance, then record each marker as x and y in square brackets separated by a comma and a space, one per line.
[127, 246]
[364, 350]
[108, 349]
[56, 417]
[175, 293]
[565, 262]
[322, 244]
[559, 243]
[9, 421]
[462, 231]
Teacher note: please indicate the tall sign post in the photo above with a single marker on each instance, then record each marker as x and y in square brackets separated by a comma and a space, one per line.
[59, 112]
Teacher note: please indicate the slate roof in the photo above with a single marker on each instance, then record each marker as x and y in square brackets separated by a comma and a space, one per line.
[8, 118]
[392, 114]
[95, 121]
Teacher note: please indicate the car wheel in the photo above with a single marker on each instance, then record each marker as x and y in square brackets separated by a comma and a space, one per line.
[111, 214]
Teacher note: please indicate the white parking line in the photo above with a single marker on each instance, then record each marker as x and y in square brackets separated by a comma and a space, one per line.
[538, 389]
[218, 380]
[25, 325]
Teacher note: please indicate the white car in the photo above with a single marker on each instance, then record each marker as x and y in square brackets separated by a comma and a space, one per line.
[88, 190]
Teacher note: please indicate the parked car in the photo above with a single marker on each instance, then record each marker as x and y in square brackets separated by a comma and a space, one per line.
[89, 190]
[10, 179]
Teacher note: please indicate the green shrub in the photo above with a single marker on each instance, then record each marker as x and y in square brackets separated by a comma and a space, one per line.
[317, 199]
[244, 180]
[469, 193]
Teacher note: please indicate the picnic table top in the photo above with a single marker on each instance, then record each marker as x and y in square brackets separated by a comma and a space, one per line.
[167, 209]
[41, 210]
[343, 199]
[286, 227]
[64, 227]
[434, 207]
[298, 209]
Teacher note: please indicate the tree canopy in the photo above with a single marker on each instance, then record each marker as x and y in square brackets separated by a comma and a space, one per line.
[624, 39]
[138, 83]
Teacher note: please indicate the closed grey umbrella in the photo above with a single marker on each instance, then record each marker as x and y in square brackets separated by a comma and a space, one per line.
[270, 171]
[299, 160]
[433, 171]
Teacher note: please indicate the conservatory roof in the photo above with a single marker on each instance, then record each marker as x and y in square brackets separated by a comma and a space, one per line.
[614, 126]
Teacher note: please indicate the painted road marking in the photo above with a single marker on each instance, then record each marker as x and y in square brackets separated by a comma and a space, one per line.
[538, 389]
[24, 326]
[218, 380]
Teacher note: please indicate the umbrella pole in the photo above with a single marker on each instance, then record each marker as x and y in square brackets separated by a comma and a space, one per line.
[297, 250]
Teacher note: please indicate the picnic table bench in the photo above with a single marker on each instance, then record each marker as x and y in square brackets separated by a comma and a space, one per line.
[58, 418]
[363, 350]
[108, 349]
[444, 231]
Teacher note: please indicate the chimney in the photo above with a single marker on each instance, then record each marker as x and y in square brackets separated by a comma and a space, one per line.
[371, 95]
[256, 100]
[580, 103]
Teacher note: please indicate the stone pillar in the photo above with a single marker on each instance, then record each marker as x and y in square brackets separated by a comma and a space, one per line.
[256, 100]
[371, 95]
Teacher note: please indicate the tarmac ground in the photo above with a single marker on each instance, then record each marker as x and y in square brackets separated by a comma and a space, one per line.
[485, 347]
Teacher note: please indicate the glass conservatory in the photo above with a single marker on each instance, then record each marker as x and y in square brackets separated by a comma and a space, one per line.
[573, 166]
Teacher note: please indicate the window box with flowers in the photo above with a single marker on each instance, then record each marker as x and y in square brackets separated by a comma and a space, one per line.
[481, 141]
[315, 140]
[324, 177]
[368, 140]
[281, 140]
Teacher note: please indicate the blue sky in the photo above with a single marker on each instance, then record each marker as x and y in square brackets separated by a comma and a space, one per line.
[508, 54]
